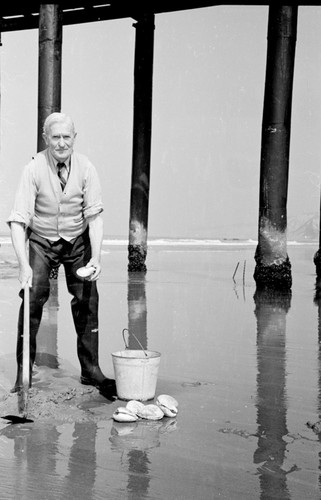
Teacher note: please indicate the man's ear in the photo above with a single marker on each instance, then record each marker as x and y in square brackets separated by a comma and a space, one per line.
[45, 138]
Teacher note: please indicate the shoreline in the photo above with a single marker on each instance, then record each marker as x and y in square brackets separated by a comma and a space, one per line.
[169, 241]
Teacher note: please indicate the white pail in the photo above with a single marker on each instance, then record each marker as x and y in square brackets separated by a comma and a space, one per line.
[135, 372]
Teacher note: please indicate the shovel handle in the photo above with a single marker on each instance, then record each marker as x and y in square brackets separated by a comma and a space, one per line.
[130, 333]
[26, 338]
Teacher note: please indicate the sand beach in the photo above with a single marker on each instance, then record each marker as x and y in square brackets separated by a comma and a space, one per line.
[244, 367]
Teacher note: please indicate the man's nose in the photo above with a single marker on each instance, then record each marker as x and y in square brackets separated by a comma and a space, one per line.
[61, 141]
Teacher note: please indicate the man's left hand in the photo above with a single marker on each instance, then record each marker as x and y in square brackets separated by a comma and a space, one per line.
[94, 263]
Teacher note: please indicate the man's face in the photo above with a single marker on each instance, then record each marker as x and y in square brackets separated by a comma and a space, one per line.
[60, 140]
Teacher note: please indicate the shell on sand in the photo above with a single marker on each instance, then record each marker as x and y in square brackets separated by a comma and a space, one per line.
[151, 412]
[134, 406]
[124, 415]
[167, 404]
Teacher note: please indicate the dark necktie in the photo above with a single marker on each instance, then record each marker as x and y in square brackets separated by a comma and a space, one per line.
[62, 174]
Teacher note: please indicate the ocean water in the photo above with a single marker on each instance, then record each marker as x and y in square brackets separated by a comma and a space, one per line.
[244, 366]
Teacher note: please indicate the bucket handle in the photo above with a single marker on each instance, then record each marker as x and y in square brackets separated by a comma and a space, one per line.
[126, 330]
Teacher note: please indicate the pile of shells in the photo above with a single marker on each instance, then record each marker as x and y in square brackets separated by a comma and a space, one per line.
[134, 410]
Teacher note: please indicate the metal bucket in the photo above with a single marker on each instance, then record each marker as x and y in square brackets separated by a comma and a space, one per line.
[136, 372]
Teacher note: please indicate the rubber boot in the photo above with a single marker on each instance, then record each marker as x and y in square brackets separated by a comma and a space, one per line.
[91, 374]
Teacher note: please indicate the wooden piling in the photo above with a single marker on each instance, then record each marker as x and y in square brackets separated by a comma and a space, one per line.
[49, 101]
[317, 255]
[49, 65]
[273, 268]
[142, 123]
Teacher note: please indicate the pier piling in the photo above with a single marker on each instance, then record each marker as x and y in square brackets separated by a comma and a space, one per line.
[273, 267]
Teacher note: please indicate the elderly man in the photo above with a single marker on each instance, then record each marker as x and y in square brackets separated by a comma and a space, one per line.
[58, 207]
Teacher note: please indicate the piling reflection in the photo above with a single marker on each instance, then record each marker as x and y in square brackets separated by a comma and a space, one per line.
[317, 301]
[47, 350]
[80, 478]
[137, 309]
[134, 441]
[271, 308]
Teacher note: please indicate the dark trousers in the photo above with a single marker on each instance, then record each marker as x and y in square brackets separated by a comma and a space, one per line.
[45, 256]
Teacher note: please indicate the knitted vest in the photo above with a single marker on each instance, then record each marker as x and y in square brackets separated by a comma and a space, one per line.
[59, 213]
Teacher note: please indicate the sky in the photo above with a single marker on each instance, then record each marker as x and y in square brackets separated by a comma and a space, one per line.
[208, 90]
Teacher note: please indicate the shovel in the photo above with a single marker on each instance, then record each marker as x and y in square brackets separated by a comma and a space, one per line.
[23, 392]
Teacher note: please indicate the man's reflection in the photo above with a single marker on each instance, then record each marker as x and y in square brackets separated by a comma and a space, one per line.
[44, 460]
[35, 453]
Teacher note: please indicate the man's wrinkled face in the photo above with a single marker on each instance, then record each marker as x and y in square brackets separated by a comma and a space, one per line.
[60, 140]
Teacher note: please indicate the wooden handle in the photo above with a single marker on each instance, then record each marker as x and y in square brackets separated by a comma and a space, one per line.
[26, 340]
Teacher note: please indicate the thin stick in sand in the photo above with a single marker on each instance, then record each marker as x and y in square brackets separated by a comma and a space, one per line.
[237, 265]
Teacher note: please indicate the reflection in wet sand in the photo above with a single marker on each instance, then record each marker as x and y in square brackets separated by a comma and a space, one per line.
[137, 310]
[136, 439]
[270, 311]
[35, 456]
[62, 462]
[257, 375]
[47, 352]
[134, 442]
[317, 301]
[79, 481]
[38, 451]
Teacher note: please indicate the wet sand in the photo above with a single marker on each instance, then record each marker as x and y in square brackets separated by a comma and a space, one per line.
[244, 367]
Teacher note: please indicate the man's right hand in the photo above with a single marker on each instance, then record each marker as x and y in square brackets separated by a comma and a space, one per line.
[18, 237]
[25, 276]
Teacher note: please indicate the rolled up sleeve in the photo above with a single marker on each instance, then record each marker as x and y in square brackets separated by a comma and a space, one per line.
[93, 204]
[24, 202]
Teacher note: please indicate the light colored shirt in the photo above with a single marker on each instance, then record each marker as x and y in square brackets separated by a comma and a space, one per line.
[41, 205]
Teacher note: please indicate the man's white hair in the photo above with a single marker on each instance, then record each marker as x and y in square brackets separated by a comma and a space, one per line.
[57, 118]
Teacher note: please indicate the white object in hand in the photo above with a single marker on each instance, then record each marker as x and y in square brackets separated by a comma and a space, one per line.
[84, 272]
